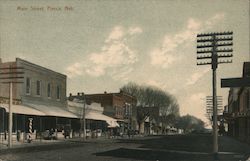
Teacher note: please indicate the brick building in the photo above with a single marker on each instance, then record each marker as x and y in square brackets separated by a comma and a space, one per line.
[238, 113]
[120, 106]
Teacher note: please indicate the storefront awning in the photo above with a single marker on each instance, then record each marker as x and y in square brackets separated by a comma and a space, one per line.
[21, 109]
[53, 111]
[99, 116]
[93, 112]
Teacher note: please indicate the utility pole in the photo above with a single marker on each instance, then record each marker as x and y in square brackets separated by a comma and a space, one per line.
[10, 75]
[209, 107]
[83, 119]
[10, 117]
[209, 47]
[128, 114]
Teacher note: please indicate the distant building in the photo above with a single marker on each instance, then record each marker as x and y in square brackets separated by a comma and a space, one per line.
[96, 121]
[120, 106]
[152, 123]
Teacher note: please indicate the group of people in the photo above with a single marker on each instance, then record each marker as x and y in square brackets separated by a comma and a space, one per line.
[116, 133]
[222, 130]
[53, 133]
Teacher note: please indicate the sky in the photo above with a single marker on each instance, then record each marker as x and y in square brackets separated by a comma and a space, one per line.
[102, 45]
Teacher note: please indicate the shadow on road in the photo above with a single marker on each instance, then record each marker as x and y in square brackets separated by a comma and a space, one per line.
[179, 148]
[192, 143]
[154, 155]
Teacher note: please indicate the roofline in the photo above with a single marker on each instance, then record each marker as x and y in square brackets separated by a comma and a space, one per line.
[107, 94]
[41, 67]
[98, 94]
[124, 93]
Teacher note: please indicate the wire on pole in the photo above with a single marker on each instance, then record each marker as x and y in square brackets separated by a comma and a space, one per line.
[212, 43]
[215, 33]
[10, 75]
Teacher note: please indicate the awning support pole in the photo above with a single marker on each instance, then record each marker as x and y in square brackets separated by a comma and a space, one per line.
[10, 117]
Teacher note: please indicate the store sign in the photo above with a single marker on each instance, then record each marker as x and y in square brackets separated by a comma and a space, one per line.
[235, 82]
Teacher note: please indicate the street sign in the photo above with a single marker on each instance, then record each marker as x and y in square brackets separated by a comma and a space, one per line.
[235, 82]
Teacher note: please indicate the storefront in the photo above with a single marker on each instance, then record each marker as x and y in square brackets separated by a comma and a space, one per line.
[47, 118]
[96, 121]
[44, 119]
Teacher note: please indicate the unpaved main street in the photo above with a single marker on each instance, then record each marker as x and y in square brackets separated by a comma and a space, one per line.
[161, 148]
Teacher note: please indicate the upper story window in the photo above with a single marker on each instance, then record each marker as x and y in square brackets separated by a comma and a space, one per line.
[128, 110]
[49, 90]
[38, 88]
[58, 94]
[118, 110]
[28, 85]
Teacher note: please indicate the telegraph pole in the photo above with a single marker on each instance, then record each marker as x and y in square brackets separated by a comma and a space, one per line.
[128, 113]
[83, 118]
[10, 75]
[209, 106]
[10, 117]
[208, 47]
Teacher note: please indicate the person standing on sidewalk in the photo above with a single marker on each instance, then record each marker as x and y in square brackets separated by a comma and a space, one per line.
[128, 133]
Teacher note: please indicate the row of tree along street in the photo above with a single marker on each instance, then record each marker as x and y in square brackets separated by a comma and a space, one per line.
[162, 108]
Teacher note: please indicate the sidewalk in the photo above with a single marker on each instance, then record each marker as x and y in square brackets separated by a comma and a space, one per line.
[50, 144]
[16, 144]
[45, 144]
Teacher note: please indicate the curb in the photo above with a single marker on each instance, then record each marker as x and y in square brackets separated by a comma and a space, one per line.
[46, 146]
[42, 147]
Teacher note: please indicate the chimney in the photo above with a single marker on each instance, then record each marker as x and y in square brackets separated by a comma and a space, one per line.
[105, 92]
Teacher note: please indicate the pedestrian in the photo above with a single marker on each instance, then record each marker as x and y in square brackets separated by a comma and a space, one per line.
[111, 133]
[18, 135]
[51, 132]
[5, 135]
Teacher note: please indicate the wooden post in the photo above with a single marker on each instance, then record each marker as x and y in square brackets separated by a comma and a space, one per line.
[10, 117]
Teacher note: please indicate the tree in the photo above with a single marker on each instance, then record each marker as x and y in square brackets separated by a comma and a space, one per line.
[149, 98]
[190, 123]
[168, 120]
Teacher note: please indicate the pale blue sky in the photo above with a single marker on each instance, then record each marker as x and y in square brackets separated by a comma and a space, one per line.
[101, 45]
